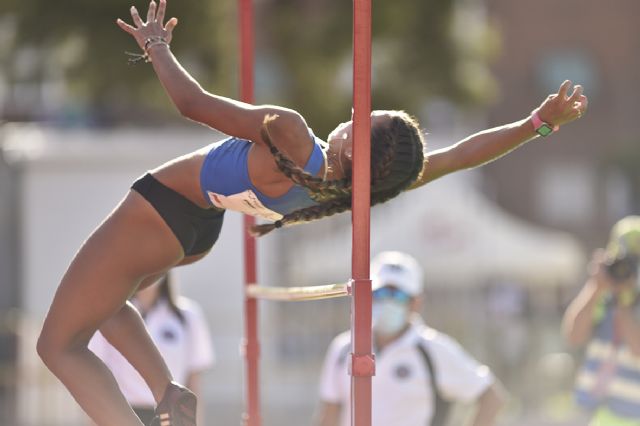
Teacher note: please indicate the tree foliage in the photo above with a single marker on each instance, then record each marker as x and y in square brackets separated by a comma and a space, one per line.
[415, 55]
[98, 74]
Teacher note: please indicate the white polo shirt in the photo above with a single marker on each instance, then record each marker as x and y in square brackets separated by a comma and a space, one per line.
[186, 348]
[401, 387]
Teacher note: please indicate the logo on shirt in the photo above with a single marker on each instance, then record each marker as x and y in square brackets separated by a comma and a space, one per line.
[168, 335]
[402, 371]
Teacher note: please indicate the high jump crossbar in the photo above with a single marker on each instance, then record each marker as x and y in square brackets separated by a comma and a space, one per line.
[362, 363]
[295, 294]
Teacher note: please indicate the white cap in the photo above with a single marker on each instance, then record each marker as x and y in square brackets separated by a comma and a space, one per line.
[394, 268]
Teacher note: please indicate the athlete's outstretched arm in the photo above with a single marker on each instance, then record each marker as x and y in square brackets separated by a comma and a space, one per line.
[227, 115]
[488, 145]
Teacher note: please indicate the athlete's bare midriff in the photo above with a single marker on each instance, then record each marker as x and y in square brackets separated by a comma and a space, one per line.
[183, 176]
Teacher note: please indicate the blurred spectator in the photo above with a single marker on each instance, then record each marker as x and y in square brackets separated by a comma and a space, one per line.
[605, 316]
[419, 370]
[179, 330]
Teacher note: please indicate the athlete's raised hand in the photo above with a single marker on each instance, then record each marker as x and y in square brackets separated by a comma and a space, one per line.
[562, 107]
[153, 28]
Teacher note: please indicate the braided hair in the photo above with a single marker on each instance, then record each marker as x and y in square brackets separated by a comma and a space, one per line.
[396, 162]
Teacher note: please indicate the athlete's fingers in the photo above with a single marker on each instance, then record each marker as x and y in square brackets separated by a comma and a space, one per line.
[126, 27]
[577, 92]
[171, 24]
[564, 88]
[584, 103]
[161, 8]
[136, 17]
[151, 13]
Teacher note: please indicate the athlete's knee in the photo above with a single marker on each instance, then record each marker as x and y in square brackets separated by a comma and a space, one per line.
[52, 347]
[48, 348]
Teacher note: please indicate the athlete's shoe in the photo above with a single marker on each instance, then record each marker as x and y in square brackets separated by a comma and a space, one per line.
[177, 408]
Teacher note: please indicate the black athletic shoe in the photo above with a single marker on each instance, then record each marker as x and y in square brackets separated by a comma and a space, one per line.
[177, 408]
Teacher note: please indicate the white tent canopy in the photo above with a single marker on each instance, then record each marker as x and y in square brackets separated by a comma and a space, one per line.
[456, 233]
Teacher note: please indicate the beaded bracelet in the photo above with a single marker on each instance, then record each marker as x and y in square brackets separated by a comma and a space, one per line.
[148, 44]
[152, 41]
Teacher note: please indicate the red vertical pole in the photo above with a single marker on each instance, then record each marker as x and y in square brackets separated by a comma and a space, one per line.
[362, 360]
[250, 345]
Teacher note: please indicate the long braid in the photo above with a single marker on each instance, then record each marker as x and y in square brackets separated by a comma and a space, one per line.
[319, 189]
[397, 159]
[325, 209]
[307, 214]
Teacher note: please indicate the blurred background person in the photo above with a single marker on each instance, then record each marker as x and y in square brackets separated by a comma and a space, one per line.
[179, 330]
[419, 371]
[605, 317]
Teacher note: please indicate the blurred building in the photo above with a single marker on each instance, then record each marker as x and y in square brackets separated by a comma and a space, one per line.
[584, 178]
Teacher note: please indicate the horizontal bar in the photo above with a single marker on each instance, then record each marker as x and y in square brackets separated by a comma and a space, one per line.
[295, 294]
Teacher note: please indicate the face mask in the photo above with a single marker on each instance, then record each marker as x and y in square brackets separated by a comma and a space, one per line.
[389, 316]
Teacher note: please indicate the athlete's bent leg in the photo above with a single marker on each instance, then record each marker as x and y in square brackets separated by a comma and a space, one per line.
[131, 244]
[128, 334]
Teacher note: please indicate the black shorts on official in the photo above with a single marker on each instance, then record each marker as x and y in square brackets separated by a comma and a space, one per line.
[196, 228]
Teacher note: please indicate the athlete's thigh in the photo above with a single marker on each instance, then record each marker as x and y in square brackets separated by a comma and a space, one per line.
[131, 244]
[153, 279]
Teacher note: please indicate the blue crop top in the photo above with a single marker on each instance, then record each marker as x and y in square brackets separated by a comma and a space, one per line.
[225, 181]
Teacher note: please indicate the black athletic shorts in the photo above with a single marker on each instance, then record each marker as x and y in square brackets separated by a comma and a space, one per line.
[196, 228]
